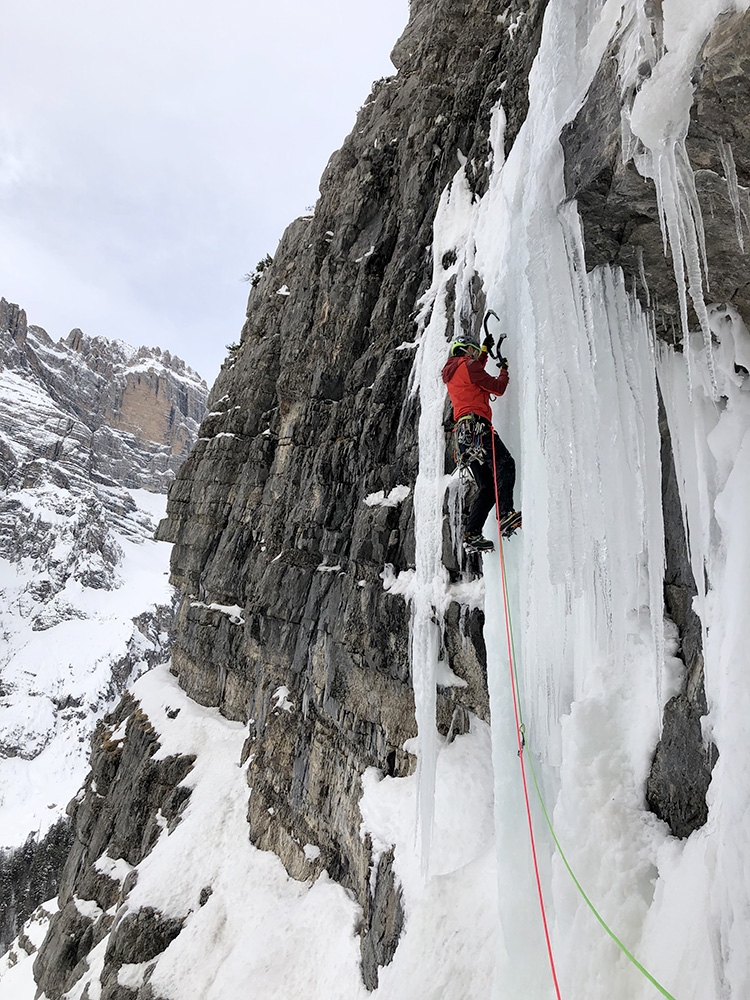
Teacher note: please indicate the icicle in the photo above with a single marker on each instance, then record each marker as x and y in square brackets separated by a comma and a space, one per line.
[455, 509]
[733, 189]
[682, 230]
[642, 273]
[744, 196]
[691, 202]
[660, 117]
[576, 254]
[691, 221]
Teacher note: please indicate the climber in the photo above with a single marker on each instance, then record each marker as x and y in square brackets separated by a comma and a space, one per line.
[470, 389]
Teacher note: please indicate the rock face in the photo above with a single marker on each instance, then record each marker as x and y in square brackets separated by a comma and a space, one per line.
[311, 415]
[128, 797]
[292, 518]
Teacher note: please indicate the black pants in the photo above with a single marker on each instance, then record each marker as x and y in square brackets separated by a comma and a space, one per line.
[505, 471]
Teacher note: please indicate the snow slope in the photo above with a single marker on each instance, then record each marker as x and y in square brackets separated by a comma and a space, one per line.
[69, 647]
[262, 933]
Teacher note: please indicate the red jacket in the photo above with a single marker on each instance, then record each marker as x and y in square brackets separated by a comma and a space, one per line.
[470, 387]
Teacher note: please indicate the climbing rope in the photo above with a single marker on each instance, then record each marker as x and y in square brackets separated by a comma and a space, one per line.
[519, 731]
[522, 743]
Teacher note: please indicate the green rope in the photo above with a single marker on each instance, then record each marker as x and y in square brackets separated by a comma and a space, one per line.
[580, 888]
[558, 845]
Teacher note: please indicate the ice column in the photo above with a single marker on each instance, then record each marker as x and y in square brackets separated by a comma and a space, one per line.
[451, 228]
[654, 133]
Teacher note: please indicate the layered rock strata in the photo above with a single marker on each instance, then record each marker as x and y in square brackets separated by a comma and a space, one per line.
[99, 408]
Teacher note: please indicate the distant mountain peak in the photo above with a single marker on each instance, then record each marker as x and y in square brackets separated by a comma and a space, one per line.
[129, 415]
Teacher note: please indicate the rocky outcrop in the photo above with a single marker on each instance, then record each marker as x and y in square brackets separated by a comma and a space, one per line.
[128, 798]
[683, 760]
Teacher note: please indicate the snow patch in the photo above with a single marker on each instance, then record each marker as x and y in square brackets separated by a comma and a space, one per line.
[117, 869]
[391, 499]
[281, 694]
[233, 611]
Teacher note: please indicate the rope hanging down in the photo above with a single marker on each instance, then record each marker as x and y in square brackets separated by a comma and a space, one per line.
[521, 734]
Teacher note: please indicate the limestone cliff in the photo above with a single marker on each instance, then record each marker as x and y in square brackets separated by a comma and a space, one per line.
[124, 415]
[311, 416]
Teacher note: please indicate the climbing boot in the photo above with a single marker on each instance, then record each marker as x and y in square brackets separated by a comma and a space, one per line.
[510, 523]
[476, 542]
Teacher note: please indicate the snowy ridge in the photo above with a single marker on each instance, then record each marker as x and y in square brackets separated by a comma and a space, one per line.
[107, 354]
[85, 600]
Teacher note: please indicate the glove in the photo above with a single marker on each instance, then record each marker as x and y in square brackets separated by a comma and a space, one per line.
[488, 343]
[503, 362]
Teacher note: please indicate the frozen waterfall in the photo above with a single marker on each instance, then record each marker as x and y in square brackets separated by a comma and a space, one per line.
[586, 574]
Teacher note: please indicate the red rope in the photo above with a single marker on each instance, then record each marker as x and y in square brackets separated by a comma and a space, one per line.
[519, 732]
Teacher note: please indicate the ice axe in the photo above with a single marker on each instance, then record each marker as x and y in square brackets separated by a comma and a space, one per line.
[489, 340]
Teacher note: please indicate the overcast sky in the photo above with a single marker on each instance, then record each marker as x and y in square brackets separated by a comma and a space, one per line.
[153, 151]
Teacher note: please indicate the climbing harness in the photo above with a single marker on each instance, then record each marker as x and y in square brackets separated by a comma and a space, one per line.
[468, 440]
[522, 744]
